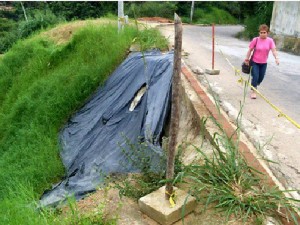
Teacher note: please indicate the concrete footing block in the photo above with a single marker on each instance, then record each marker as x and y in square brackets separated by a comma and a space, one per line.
[158, 208]
[212, 71]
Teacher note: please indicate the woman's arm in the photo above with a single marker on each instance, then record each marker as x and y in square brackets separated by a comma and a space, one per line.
[274, 52]
[248, 56]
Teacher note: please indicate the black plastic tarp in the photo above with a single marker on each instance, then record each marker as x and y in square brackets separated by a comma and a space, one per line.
[94, 139]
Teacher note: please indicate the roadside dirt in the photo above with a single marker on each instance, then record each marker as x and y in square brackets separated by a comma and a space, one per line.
[155, 19]
[127, 211]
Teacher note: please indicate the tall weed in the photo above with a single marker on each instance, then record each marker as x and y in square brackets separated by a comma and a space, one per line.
[225, 180]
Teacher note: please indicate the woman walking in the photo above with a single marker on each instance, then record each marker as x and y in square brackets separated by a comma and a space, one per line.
[260, 47]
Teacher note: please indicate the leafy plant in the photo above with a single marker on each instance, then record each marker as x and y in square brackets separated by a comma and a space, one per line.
[226, 181]
[13, 31]
[8, 33]
[151, 177]
[39, 20]
[150, 9]
[262, 15]
[213, 15]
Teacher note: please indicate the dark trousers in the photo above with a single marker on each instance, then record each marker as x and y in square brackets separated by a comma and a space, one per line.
[258, 73]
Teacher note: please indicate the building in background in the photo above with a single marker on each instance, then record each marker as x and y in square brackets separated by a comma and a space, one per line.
[285, 25]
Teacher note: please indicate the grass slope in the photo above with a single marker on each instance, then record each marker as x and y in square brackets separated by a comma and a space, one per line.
[42, 85]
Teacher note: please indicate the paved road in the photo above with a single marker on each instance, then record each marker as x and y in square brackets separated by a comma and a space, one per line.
[276, 138]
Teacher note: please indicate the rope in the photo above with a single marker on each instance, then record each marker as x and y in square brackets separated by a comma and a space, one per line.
[171, 199]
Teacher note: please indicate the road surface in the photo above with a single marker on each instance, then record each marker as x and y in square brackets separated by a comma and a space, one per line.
[276, 138]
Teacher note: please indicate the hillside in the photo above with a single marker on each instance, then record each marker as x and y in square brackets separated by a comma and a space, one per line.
[45, 79]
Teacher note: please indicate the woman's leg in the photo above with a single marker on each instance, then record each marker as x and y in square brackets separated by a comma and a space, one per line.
[262, 72]
[254, 74]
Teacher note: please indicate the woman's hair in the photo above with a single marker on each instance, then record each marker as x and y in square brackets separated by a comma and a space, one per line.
[263, 27]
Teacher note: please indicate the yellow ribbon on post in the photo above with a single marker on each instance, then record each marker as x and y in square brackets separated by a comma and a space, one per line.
[171, 199]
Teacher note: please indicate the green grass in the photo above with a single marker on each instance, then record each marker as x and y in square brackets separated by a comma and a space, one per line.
[42, 85]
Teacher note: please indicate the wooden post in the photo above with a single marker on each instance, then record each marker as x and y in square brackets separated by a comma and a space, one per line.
[175, 106]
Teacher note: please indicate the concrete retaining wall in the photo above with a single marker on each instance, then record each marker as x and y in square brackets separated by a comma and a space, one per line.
[285, 26]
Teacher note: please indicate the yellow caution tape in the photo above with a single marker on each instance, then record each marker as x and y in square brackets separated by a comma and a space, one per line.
[171, 199]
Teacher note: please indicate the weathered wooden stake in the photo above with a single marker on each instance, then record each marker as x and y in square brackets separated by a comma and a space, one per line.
[175, 105]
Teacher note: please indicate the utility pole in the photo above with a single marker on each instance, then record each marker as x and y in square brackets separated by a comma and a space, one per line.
[121, 19]
[174, 124]
[192, 11]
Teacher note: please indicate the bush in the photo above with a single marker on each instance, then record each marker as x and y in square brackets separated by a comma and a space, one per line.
[7, 41]
[73, 10]
[8, 34]
[11, 31]
[39, 20]
[151, 9]
[213, 15]
[6, 25]
[263, 15]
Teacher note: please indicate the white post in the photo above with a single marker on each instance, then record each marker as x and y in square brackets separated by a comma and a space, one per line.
[120, 15]
[24, 11]
[192, 11]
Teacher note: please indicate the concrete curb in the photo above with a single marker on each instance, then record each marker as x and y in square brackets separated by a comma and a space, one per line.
[230, 131]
